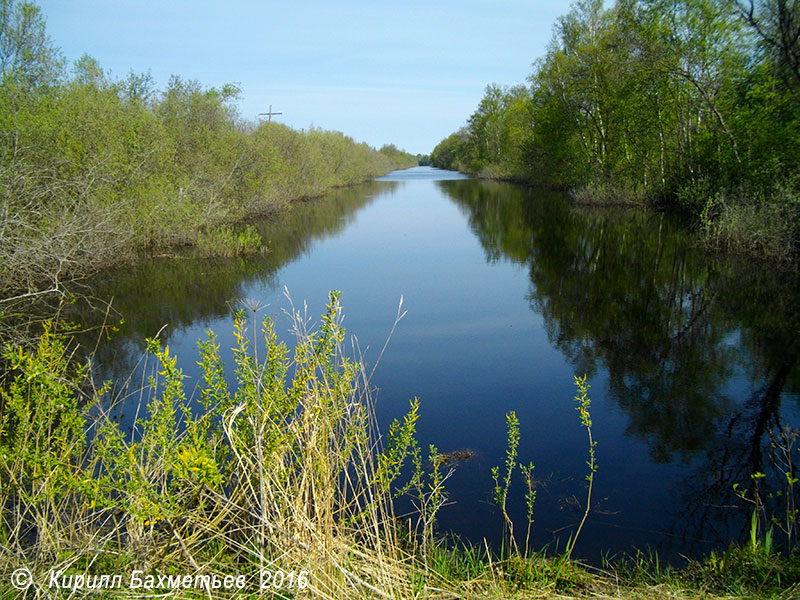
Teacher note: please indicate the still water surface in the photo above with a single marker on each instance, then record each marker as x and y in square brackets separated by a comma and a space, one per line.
[510, 292]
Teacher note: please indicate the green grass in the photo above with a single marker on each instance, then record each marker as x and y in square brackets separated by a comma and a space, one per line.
[224, 241]
[758, 226]
[285, 471]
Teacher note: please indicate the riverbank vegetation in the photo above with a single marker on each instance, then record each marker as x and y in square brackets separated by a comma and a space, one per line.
[693, 106]
[95, 169]
[283, 473]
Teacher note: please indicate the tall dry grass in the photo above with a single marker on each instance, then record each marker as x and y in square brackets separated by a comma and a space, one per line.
[285, 472]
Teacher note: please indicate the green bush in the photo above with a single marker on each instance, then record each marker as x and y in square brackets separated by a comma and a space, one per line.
[95, 170]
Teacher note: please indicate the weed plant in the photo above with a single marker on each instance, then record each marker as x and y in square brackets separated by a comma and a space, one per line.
[283, 472]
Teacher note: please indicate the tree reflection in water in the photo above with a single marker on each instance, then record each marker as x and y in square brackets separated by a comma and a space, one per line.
[701, 350]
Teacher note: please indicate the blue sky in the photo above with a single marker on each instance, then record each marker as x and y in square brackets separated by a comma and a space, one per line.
[408, 72]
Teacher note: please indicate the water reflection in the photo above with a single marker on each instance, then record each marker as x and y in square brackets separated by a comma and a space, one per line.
[692, 358]
[182, 291]
[700, 351]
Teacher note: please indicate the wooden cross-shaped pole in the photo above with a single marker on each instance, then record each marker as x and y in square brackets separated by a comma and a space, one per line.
[270, 113]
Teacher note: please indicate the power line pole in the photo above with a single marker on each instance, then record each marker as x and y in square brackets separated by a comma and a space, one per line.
[270, 113]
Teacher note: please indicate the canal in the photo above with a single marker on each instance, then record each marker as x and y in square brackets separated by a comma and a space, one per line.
[510, 292]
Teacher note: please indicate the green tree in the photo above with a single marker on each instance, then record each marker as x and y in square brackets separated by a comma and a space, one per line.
[777, 23]
[485, 127]
[27, 55]
[451, 152]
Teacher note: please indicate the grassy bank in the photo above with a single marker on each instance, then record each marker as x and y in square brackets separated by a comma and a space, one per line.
[284, 474]
[96, 170]
[761, 224]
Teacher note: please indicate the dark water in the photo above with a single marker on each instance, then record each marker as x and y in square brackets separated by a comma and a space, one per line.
[692, 358]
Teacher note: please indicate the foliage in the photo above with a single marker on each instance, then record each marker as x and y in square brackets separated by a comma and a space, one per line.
[94, 170]
[28, 59]
[582, 398]
[501, 484]
[677, 103]
[42, 438]
[268, 475]
[224, 241]
[400, 158]
[283, 471]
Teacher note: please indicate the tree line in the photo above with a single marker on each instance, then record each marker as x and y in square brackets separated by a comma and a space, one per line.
[689, 104]
[96, 169]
